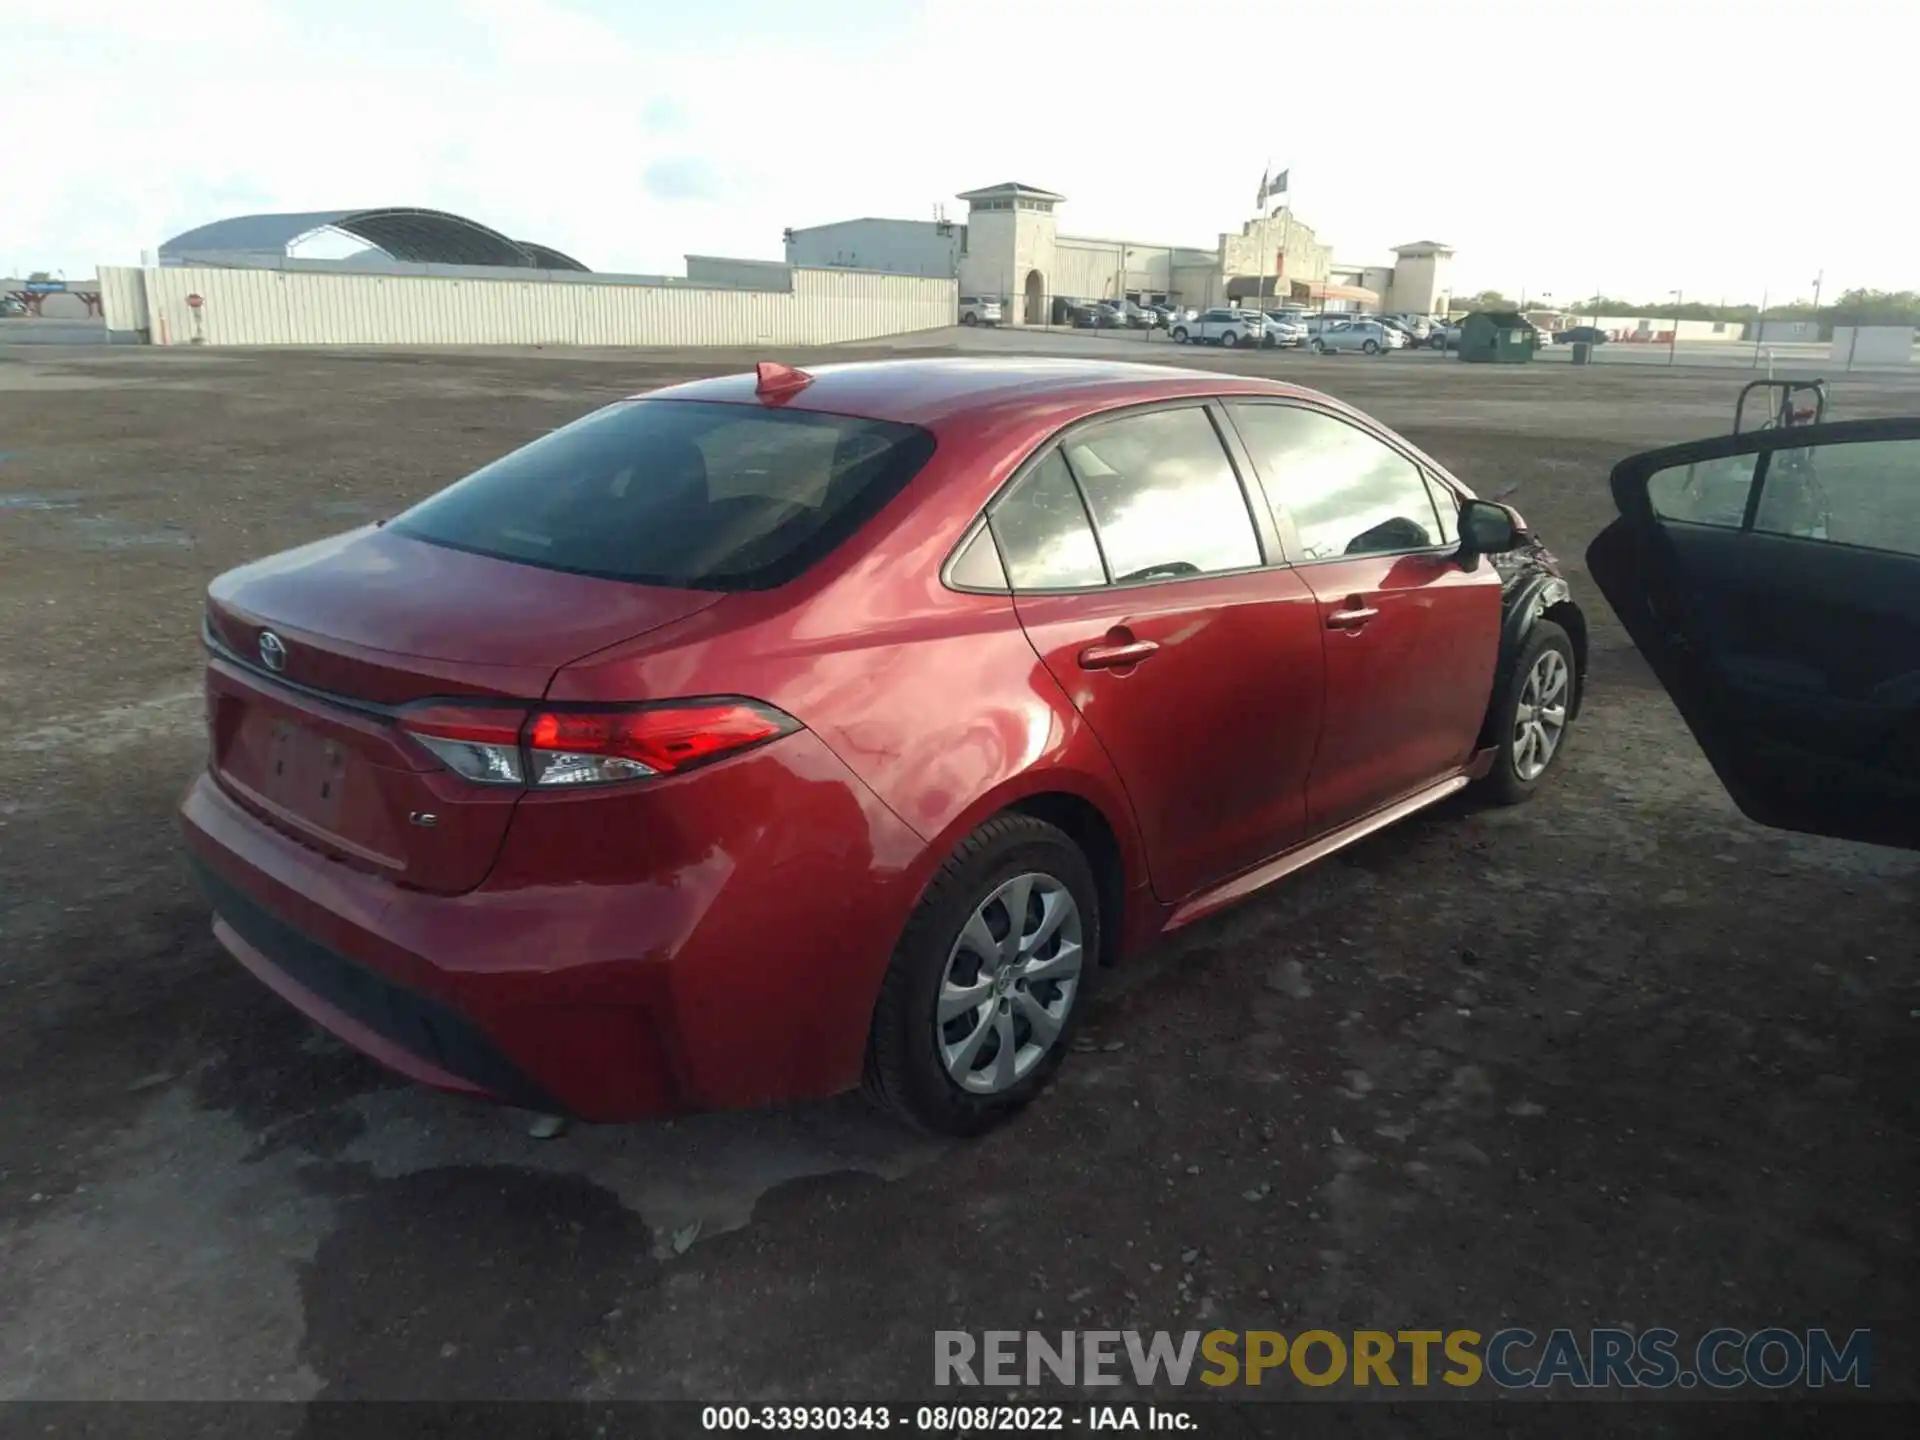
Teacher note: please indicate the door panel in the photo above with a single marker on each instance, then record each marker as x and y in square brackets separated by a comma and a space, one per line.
[1200, 670]
[1772, 580]
[1412, 637]
[1213, 731]
[1407, 686]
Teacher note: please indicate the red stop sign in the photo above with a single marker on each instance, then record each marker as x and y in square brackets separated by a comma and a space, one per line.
[194, 302]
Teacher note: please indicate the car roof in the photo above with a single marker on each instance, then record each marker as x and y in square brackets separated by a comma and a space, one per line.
[934, 390]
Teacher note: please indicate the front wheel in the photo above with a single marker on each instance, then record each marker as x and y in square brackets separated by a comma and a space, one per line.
[1533, 712]
[1319, 347]
[1438, 342]
[1179, 334]
[1230, 339]
[1371, 347]
[969, 319]
[984, 990]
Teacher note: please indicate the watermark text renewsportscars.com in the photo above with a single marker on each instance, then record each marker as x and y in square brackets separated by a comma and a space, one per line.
[1604, 1358]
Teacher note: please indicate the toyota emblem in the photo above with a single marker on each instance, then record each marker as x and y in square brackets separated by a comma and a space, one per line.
[273, 651]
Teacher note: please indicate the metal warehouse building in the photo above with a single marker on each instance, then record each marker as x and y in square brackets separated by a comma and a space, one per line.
[1009, 246]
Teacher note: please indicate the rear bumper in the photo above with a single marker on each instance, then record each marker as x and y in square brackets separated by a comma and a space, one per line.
[629, 956]
[416, 1035]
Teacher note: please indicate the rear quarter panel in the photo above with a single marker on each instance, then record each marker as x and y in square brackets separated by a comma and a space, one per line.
[934, 699]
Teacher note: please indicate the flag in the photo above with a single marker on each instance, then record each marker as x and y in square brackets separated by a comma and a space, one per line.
[1279, 186]
[1261, 198]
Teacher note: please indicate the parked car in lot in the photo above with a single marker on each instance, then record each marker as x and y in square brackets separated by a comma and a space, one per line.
[1095, 315]
[1132, 315]
[979, 310]
[1368, 336]
[1395, 327]
[1283, 331]
[1326, 320]
[1583, 334]
[1445, 337]
[1269, 333]
[1221, 327]
[629, 774]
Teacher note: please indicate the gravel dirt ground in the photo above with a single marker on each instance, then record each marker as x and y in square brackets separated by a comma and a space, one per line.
[1616, 1056]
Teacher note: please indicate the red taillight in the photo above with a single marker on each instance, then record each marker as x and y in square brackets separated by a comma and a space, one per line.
[550, 748]
[480, 743]
[575, 747]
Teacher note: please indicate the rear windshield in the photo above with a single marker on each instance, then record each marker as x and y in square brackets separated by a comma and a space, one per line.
[678, 492]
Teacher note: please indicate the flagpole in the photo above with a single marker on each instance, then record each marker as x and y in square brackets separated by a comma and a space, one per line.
[1260, 282]
[1286, 233]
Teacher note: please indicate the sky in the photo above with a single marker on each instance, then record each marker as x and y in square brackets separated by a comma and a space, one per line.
[1725, 150]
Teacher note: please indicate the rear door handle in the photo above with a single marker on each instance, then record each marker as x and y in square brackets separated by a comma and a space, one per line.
[1116, 656]
[1353, 617]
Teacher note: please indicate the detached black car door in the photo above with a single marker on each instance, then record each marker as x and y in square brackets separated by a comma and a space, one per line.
[1772, 580]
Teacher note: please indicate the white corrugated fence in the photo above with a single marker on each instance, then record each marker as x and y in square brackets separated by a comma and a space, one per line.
[280, 307]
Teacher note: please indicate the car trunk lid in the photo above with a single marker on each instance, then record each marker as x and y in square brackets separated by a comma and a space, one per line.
[319, 653]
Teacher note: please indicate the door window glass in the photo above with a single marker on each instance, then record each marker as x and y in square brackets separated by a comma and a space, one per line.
[1348, 493]
[1045, 537]
[1164, 495]
[1861, 493]
[1711, 492]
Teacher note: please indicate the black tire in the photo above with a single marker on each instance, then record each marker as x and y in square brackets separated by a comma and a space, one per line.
[1230, 340]
[1504, 784]
[969, 319]
[1319, 347]
[1438, 342]
[1179, 334]
[1371, 347]
[904, 1073]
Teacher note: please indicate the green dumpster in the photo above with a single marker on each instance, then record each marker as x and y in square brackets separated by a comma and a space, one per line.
[1493, 337]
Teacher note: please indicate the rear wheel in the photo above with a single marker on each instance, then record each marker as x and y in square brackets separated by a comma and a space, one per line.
[1179, 334]
[986, 983]
[1371, 347]
[1230, 339]
[1534, 710]
[969, 319]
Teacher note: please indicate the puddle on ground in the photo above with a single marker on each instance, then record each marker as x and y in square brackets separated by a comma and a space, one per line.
[27, 500]
[119, 535]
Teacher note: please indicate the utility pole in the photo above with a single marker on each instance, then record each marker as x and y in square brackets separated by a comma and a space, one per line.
[1760, 328]
[1816, 294]
[1673, 343]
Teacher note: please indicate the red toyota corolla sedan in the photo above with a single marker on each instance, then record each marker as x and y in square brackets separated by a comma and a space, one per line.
[768, 735]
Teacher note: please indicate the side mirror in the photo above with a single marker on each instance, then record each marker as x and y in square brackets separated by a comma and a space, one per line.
[1486, 529]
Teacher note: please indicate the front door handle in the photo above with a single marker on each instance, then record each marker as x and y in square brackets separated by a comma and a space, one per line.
[1116, 655]
[1356, 614]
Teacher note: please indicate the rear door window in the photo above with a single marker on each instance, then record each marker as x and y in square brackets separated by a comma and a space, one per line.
[1044, 534]
[1163, 495]
[678, 492]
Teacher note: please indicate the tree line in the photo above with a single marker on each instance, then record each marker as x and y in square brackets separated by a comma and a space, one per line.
[1853, 307]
